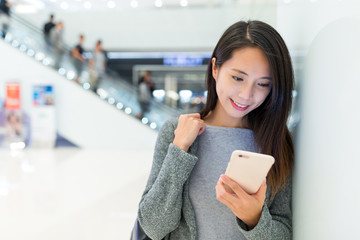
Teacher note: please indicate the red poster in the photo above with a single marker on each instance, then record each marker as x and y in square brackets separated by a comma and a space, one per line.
[12, 99]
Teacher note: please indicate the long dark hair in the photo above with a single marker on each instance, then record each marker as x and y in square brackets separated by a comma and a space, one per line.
[268, 121]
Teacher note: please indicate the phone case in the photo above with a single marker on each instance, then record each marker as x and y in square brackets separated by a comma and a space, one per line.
[249, 169]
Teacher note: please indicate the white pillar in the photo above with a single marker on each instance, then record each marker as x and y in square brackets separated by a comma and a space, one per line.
[327, 175]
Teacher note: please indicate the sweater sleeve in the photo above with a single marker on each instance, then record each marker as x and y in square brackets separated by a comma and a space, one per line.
[161, 203]
[276, 219]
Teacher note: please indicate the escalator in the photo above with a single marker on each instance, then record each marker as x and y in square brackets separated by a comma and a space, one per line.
[83, 117]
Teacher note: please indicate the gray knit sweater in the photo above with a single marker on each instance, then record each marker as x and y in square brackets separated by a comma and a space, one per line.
[165, 210]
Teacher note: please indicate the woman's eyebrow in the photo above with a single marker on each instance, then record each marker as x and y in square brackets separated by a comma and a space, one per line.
[242, 72]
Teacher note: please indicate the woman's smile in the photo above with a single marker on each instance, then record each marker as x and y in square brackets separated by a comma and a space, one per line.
[239, 106]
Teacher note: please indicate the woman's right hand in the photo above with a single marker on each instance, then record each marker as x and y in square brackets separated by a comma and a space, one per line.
[189, 127]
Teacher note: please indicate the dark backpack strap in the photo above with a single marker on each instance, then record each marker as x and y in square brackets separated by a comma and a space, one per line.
[138, 233]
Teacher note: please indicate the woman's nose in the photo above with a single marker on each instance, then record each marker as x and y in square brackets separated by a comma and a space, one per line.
[246, 91]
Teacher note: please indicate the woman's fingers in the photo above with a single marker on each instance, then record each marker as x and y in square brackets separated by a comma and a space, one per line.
[245, 206]
[223, 195]
[196, 115]
[188, 128]
[233, 185]
[261, 193]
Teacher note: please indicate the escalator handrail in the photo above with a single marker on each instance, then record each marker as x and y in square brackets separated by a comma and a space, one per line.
[113, 75]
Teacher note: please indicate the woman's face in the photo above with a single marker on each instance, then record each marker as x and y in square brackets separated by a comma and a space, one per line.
[242, 84]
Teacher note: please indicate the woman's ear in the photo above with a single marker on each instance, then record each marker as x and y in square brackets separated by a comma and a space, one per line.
[214, 68]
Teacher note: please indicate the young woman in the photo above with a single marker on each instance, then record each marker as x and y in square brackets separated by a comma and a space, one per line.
[249, 83]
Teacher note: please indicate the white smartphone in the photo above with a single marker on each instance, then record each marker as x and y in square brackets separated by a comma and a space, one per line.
[248, 169]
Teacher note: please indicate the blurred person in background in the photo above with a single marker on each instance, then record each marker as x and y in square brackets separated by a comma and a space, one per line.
[47, 29]
[56, 40]
[145, 89]
[97, 65]
[78, 58]
[5, 16]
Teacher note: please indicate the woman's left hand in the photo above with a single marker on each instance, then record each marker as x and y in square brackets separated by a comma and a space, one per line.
[246, 207]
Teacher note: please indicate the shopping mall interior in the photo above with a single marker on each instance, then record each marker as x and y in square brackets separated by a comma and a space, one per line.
[82, 149]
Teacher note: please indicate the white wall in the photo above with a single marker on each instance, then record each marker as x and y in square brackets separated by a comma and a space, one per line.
[326, 190]
[300, 20]
[326, 196]
[155, 29]
[81, 116]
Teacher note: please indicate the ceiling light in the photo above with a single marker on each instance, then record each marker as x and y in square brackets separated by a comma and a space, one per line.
[185, 95]
[64, 5]
[134, 3]
[87, 5]
[183, 3]
[172, 94]
[158, 3]
[36, 3]
[25, 8]
[159, 94]
[111, 4]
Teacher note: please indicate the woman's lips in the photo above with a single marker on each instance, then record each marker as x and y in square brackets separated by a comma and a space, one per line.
[238, 106]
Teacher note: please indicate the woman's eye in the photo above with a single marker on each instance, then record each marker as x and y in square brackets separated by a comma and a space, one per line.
[237, 78]
[264, 84]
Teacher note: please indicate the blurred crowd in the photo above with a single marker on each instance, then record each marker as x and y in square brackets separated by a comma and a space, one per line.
[95, 62]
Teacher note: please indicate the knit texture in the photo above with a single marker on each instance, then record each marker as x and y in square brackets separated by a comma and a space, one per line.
[165, 210]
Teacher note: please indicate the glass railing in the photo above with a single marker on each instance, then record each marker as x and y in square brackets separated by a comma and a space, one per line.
[112, 88]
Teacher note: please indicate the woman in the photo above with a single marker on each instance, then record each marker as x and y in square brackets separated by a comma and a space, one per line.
[249, 83]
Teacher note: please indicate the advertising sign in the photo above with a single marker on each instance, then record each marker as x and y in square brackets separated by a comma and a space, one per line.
[43, 124]
[12, 98]
[43, 95]
[14, 128]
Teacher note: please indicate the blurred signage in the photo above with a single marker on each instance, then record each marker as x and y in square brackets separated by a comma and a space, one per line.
[12, 98]
[43, 118]
[15, 130]
[183, 61]
[43, 95]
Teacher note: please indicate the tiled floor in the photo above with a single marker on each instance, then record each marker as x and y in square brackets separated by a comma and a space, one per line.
[68, 193]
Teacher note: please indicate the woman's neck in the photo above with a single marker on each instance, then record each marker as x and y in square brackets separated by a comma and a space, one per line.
[215, 118]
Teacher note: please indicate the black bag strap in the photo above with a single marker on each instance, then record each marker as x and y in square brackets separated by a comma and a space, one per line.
[138, 233]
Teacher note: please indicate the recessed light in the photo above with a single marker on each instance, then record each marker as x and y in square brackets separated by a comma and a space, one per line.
[184, 3]
[158, 3]
[134, 4]
[111, 4]
[64, 5]
[87, 5]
